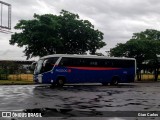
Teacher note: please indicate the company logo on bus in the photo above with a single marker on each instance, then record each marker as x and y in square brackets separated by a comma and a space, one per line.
[63, 70]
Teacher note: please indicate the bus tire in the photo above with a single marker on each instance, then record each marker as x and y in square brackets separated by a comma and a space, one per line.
[114, 81]
[53, 85]
[60, 81]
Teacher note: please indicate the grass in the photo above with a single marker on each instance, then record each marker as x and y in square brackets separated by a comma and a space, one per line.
[15, 82]
[18, 79]
[26, 77]
[146, 77]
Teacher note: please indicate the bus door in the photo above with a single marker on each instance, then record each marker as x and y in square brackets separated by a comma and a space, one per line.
[47, 69]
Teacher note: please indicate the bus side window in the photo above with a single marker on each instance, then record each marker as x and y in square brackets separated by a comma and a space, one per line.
[62, 62]
[109, 63]
[92, 62]
[49, 63]
[101, 63]
[65, 62]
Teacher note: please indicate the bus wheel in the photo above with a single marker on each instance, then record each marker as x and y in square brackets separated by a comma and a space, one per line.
[53, 85]
[60, 81]
[114, 81]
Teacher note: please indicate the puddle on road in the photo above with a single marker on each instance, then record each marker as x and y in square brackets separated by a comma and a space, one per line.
[96, 97]
[92, 98]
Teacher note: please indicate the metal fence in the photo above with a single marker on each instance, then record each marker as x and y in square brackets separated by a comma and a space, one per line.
[16, 70]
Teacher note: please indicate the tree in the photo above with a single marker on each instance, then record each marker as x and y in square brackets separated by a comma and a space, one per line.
[143, 46]
[50, 34]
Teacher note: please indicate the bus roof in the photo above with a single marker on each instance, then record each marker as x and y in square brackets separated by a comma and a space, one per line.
[85, 56]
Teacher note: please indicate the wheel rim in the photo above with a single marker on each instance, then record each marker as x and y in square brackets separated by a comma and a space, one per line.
[114, 82]
[60, 81]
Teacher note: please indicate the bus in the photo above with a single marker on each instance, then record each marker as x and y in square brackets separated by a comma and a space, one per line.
[59, 69]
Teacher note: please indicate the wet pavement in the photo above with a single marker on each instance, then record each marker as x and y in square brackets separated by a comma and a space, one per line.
[72, 101]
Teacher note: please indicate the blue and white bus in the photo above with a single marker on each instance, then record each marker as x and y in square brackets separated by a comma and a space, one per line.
[59, 69]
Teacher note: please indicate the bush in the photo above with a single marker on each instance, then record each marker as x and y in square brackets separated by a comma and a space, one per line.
[3, 74]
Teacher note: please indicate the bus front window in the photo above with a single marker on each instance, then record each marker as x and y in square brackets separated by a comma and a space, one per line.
[45, 65]
[38, 67]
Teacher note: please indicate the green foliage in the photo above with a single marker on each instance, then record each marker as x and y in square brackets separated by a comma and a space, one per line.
[143, 46]
[50, 34]
[3, 71]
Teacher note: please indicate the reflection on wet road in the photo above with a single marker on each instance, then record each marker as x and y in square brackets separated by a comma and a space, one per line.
[126, 97]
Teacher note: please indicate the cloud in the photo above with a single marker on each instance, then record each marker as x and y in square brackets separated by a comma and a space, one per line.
[11, 54]
[117, 19]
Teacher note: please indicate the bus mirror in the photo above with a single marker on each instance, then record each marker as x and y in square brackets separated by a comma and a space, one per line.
[33, 65]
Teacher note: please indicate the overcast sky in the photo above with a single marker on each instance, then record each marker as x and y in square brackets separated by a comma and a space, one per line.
[117, 19]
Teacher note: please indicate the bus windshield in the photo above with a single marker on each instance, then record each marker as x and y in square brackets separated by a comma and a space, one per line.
[45, 65]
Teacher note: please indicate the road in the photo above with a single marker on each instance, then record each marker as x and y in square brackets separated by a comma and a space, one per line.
[72, 99]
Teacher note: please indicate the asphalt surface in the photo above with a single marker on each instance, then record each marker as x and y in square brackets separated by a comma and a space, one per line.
[92, 101]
